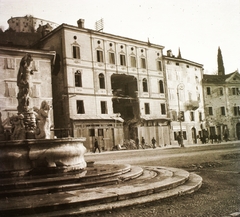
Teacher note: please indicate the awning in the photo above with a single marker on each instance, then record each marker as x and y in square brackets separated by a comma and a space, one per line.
[97, 117]
[152, 118]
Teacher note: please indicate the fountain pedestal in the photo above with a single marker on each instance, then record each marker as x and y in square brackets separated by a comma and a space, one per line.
[20, 157]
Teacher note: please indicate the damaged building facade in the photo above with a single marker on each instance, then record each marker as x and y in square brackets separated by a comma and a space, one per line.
[108, 87]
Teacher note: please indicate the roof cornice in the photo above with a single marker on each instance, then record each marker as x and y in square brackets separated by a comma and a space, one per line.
[181, 60]
[100, 34]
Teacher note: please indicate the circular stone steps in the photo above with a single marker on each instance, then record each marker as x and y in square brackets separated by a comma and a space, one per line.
[138, 185]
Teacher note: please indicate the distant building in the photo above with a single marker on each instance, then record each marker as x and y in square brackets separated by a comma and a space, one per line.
[41, 79]
[29, 24]
[108, 87]
[222, 104]
[185, 97]
[25, 31]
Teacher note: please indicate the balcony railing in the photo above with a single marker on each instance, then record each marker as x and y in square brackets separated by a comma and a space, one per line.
[191, 105]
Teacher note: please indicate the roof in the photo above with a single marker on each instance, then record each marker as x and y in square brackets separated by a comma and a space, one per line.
[217, 79]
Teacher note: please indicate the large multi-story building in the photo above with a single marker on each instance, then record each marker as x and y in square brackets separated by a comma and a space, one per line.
[222, 105]
[108, 87]
[41, 85]
[185, 97]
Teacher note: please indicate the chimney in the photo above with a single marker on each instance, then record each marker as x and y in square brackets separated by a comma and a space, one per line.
[169, 53]
[80, 23]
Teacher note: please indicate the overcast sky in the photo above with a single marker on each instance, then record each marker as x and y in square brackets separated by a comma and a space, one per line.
[198, 27]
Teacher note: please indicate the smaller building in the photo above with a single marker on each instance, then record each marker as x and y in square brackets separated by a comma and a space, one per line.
[41, 84]
[222, 105]
[185, 98]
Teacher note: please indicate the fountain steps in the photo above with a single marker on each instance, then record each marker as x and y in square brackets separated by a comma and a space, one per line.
[91, 177]
[134, 186]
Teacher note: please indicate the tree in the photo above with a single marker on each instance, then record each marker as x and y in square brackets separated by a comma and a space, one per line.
[221, 70]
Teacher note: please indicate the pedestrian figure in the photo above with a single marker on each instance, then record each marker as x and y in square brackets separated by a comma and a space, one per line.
[226, 136]
[154, 142]
[96, 146]
[180, 140]
[143, 142]
[137, 143]
[211, 138]
[219, 138]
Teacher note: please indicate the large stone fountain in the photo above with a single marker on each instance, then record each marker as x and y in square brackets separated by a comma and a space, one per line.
[30, 147]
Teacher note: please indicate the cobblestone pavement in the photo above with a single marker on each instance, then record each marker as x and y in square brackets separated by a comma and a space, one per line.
[219, 195]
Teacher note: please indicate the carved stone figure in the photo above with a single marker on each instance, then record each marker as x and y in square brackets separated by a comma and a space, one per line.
[23, 83]
[19, 132]
[42, 116]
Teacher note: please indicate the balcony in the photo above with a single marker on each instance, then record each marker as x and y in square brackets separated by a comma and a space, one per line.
[191, 105]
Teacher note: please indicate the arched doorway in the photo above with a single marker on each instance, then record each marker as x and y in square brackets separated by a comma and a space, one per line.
[194, 135]
[238, 131]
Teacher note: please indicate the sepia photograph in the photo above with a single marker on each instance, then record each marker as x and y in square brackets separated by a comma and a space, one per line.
[120, 108]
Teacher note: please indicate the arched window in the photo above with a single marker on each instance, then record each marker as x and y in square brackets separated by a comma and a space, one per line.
[101, 81]
[78, 79]
[161, 86]
[145, 85]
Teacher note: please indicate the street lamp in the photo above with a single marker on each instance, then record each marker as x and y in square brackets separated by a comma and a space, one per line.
[180, 87]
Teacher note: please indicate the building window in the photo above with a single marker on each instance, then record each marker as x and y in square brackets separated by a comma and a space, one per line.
[9, 63]
[143, 63]
[104, 107]
[221, 91]
[10, 89]
[122, 60]
[36, 90]
[208, 91]
[80, 107]
[147, 108]
[161, 86]
[91, 132]
[181, 116]
[177, 133]
[133, 61]
[236, 110]
[78, 79]
[76, 52]
[163, 109]
[200, 116]
[192, 116]
[100, 132]
[100, 56]
[235, 91]
[111, 58]
[222, 110]
[159, 65]
[145, 85]
[101, 81]
[210, 110]
[174, 115]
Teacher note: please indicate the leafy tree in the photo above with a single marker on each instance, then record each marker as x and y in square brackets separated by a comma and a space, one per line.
[221, 70]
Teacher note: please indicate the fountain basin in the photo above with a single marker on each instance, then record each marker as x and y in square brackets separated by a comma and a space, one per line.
[19, 157]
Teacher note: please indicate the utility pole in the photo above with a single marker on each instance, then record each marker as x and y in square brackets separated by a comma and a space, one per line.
[180, 87]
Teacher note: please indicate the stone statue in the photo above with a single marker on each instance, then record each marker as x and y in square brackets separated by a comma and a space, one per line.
[19, 132]
[42, 116]
[23, 83]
